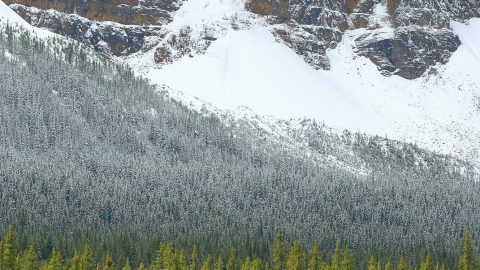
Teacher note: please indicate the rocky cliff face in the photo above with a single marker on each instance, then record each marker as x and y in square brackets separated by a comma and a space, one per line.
[402, 37]
[136, 12]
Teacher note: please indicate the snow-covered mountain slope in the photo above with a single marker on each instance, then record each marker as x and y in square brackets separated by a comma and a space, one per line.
[246, 66]
[228, 57]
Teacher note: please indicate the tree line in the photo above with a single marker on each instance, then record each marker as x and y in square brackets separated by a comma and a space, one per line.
[170, 256]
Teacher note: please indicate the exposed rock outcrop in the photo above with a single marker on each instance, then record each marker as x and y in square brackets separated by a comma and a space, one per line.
[147, 12]
[409, 51]
[109, 38]
[419, 38]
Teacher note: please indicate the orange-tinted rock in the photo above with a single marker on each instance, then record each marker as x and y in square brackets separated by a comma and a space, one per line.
[279, 8]
[121, 11]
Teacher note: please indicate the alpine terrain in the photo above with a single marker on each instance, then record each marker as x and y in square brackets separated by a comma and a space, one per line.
[239, 134]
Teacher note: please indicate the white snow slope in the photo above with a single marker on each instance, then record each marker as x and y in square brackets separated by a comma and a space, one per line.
[248, 67]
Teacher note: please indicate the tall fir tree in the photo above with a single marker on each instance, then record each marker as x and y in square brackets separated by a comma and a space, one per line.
[86, 260]
[314, 261]
[401, 265]
[427, 263]
[207, 263]
[168, 257]
[10, 251]
[232, 258]
[466, 260]
[55, 262]
[194, 259]
[127, 265]
[29, 259]
[347, 259]
[372, 263]
[296, 257]
[108, 263]
[218, 264]
[181, 261]
[278, 252]
[246, 264]
[337, 257]
[255, 265]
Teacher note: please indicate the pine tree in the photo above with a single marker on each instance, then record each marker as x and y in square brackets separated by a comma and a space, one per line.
[108, 263]
[168, 257]
[278, 252]
[296, 257]
[157, 261]
[314, 261]
[402, 265]
[55, 262]
[427, 263]
[466, 260]
[206, 264]
[372, 263]
[181, 261]
[10, 251]
[194, 258]
[232, 259]
[127, 265]
[255, 265]
[246, 264]
[218, 264]
[347, 259]
[29, 260]
[388, 265]
[336, 257]
[86, 261]
[141, 266]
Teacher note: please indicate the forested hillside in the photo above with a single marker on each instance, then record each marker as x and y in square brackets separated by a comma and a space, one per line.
[89, 151]
[280, 255]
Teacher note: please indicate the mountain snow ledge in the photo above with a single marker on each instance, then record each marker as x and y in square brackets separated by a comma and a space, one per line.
[247, 66]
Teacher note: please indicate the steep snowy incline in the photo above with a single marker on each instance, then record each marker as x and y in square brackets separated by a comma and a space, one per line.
[246, 66]
[7, 15]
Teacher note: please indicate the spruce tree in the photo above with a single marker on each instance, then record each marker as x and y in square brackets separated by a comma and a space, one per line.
[388, 265]
[108, 263]
[168, 257]
[181, 261]
[29, 260]
[10, 251]
[427, 263]
[207, 263]
[232, 259]
[347, 259]
[218, 264]
[314, 260]
[246, 264]
[194, 259]
[372, 263]
[402, 265]
[296, 257]
[141, 266]
[336, 257]
[255, 265]
[55, 262]
[466, 260]
[86, 260]
[127, 265]
[278, 252]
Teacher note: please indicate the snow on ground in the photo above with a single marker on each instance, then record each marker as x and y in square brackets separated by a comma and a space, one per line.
[248, 67]
[7, 15]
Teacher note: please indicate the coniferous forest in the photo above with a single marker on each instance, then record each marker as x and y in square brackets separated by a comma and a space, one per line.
[173, 255]
[99, 169]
